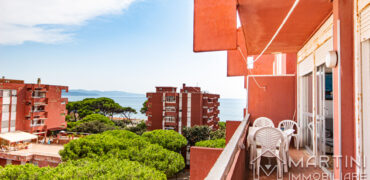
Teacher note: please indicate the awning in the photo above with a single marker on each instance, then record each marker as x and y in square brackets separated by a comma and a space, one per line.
[215, 25]
[17, 136]
[261, 18]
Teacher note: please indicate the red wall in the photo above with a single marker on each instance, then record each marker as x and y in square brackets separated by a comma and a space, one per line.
[231, 127]
[202, 160]
[276, 101]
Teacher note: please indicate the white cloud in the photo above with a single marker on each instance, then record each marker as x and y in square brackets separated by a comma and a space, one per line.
[45, 21]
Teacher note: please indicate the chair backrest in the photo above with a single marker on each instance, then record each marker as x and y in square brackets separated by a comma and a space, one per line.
[269, 138]
[288, 124]
[263, 122]
[310, 126]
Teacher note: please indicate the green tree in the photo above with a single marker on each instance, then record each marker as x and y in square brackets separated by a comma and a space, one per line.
[105, 167]
[216, 143]
[126, 112]
[218, 134]
[168, 139]
[102, 105]
[124, 145]
[139, 129]
[196, 133]
[144, 108]
[94, 127]
[222, 125]
[96, 117]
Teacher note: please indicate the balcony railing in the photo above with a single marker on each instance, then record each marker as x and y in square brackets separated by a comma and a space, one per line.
[228, 157]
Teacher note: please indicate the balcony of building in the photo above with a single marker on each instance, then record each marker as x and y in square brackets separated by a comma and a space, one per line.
[233, 162]
[170, 124]
[37, 123]
[169, 113]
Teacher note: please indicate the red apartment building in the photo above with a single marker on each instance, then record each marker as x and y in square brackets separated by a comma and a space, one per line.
[168, 109]
[33, 108]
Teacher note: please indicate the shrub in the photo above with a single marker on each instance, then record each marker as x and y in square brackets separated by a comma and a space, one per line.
[94, 127]
[98, 168]
[168, 139]
[28, 171]
[139, 129]
[124, 145]
[96, 117]
[196, 133]
[105, 168]
[217, 134]
[217, 143]
[222, 125]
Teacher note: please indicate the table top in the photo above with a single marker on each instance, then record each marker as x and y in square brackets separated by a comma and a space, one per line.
[252, 130]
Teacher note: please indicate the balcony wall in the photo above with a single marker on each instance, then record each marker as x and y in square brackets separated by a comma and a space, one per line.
[231, 162]
[273, 97]
[202, 160]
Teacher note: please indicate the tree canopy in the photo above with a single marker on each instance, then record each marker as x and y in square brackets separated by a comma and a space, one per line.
[216, 143]
[124, 145]
[144, 109]
[102, 105]
[168, 139]
[196, 133]
[106, 167]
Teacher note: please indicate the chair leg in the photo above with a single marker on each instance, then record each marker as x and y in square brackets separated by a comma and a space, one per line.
[258, 166]
[279, 168]
[285, 161]
[297, 140]
[251, 158]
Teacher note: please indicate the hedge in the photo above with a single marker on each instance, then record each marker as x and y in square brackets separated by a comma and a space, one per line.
[217, 143]
[87, 168]
[124, 145]
[168, 139]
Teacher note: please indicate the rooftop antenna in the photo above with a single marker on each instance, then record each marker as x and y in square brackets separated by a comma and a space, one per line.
[38, 81]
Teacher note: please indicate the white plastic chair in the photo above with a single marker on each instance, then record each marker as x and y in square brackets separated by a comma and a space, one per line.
[263, 122]
[268, 139]
[289, 124]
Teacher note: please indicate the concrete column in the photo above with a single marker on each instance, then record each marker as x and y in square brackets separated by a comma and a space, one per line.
[343, 86]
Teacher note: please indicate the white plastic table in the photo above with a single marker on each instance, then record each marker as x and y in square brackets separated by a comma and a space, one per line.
[286, 134]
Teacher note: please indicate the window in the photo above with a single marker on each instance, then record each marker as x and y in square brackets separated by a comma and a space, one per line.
[37, 122]
[4, 124]
[170, 99]
[170, 109]
[12, 123]
[14, 108]
[38, 108]
[38, 94]
[169, 119]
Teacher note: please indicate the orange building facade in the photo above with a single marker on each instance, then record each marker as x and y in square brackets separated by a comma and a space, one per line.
[33, 108]
[168, 109]
[303, 60]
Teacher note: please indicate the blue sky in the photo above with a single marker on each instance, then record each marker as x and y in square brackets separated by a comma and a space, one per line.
[133, 48]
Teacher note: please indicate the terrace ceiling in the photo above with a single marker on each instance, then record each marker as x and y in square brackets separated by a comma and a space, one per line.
[261, 18]
[215, 24]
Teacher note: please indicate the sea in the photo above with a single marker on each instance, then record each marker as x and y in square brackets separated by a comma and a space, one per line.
[230, 109]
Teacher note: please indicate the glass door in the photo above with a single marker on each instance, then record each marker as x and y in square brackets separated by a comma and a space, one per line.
[320, 106]
[306, 111]
[324, 116]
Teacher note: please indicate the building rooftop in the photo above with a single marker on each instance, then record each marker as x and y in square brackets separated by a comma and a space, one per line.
[38, 149]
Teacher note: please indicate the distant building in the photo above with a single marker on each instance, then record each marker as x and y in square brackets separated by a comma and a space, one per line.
[34, 108]
[168, 109]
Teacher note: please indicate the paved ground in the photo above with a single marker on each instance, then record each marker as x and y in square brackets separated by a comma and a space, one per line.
[39, 149]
